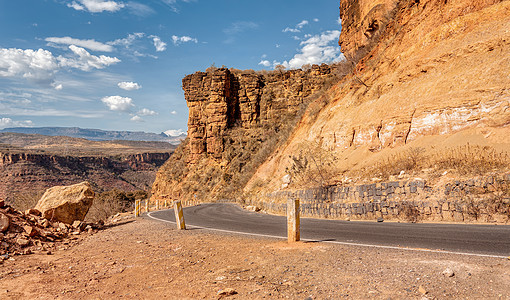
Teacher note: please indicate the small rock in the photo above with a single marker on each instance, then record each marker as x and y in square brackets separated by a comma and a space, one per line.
[380, 219]
[227, 292]
[422, 290]
[22, 242]
[253, 208]
[30, 230]
[33, 211]
[448, 272]
[77, 224]
[4, 222]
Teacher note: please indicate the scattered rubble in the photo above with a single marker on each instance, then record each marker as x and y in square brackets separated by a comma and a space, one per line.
[28, 232]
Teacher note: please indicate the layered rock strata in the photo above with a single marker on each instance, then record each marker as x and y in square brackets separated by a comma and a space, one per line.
[221, 99]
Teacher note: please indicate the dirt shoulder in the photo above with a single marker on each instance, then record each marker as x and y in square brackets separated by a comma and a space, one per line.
[150, 259]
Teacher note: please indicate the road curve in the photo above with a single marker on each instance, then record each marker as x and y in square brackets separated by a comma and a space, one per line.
[483, 240]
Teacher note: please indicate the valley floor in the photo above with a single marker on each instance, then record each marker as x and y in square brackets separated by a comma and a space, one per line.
[145, 259]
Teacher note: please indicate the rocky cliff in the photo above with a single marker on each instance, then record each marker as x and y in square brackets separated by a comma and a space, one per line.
[235, 118]
[429, 78]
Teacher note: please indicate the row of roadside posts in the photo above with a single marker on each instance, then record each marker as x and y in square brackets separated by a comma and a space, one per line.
[179, 215]
[293, 222]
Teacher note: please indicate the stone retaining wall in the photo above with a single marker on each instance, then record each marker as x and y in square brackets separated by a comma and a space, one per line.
[484, 199]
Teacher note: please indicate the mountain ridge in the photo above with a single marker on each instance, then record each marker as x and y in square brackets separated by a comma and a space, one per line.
[97, 134]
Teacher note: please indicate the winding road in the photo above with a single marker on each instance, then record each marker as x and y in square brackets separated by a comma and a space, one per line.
[479, 240]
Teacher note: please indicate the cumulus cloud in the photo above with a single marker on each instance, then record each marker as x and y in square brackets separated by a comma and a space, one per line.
[129, 86]
[146, 112]
[88, 44]
[41, 65]
[173, 112]
[136, 118]
[86, 61]
[96, 6]
[8, 122]
[321, 48]
[37, 65]
[177, 40]
[158, 43]
[265, 63]
[174, 132]
[118, 103]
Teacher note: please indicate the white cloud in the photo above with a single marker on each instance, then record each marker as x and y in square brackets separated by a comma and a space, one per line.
[86, 61]
[136, 118]
[89, 44]
[129, 86]
[128, 41]
[38, 65]
[288, 29]
[58, 87]
[298, 27]
[173, 112]
[316, 20]
[118, 103]
[174, 132]
[183, 39]
[8, 122]
[317, 49]
[146, 112]
[265, 63]
[139, 9]
[302, 24]
[96, 6]
[158, 43]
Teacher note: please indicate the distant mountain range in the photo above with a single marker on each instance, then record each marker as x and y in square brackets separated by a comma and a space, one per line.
[100, 135]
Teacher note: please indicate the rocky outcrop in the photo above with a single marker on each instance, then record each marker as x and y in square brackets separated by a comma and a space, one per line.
[235, 117]
[66, 203]
[223, 98]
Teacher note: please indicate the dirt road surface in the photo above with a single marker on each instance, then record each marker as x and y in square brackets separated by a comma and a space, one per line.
[147, 259]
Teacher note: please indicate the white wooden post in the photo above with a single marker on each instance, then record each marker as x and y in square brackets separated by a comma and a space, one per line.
[179, 216]
[293, 220]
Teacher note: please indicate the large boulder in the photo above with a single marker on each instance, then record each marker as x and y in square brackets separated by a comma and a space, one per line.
[66, 203]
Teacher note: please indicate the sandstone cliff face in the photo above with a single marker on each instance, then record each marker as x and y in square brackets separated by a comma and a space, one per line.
[423, 69]
[223, 99]
[232, 116]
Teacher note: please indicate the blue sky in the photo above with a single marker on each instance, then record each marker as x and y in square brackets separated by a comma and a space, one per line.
[118, 65]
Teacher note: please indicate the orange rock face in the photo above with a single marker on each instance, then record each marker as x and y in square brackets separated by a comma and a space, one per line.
[222, 99]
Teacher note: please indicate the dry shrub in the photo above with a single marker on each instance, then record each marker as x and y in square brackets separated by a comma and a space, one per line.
[25, 200]
[313, 166]
[111, 202]
[407, 161]
[410, 212]
[471, 160]
[462, 160]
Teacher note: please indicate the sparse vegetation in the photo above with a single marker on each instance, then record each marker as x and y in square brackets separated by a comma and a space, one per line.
[312, 166]
[465, 160]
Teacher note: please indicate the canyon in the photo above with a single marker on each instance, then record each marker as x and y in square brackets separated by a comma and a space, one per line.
[29, 164]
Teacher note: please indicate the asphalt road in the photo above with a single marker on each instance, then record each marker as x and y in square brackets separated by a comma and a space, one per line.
[491, 240]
